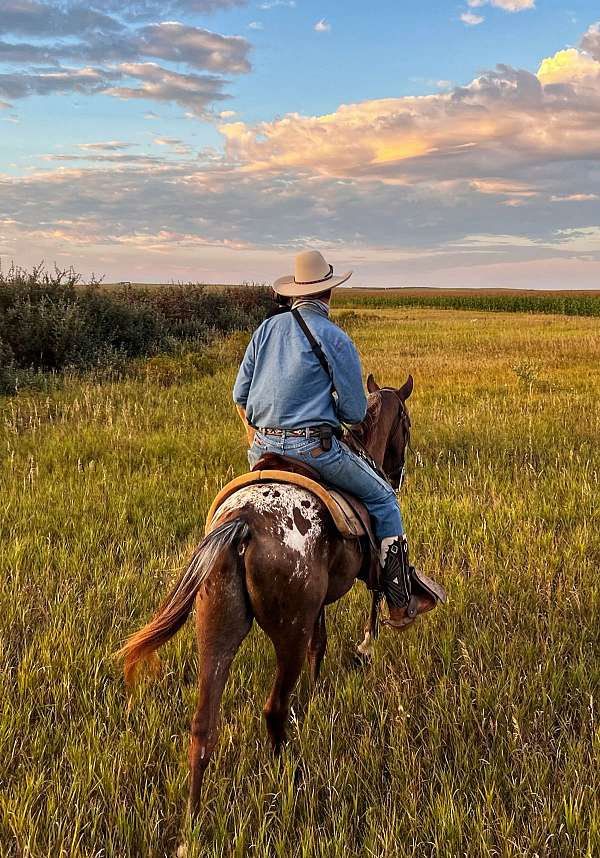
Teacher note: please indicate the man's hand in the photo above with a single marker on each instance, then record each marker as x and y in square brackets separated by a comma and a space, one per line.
[249, 429]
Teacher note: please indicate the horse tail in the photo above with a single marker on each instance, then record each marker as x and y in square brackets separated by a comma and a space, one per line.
[141, 647]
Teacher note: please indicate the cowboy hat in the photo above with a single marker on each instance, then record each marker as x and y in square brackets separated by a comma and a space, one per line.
[312, 275]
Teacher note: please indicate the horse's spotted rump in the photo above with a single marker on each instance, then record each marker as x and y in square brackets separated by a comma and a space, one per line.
[301, 523]
[292, 509]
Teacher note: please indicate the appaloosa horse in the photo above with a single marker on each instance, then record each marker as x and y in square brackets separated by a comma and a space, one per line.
[274, 556]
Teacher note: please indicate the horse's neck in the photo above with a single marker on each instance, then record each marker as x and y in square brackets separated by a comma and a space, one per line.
[379, 436]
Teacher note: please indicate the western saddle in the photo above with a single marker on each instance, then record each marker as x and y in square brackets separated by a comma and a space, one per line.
[348, 514]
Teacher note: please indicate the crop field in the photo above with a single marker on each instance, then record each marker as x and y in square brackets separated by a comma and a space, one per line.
[477, 733]
[564, 302]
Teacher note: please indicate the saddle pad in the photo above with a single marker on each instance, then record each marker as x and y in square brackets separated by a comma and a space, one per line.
[347, 521]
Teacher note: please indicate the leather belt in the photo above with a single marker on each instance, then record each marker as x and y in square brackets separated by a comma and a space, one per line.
[308, 432]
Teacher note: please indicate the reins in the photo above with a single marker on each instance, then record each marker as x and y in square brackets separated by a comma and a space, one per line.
[402, 420]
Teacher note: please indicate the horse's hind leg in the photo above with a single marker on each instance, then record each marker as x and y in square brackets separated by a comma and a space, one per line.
[290, 658]
[223, 619]
[317, 646]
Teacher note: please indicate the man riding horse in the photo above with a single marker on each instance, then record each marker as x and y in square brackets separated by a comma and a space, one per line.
[274, 551]
[299, 380]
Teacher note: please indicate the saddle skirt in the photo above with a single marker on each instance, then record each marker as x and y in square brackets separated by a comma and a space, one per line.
[348, 514]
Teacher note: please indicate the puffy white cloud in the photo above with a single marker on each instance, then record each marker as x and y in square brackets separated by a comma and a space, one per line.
[591, 41]
[322, 26]
[513, 5]
[569, 66]
[507, 5]
[503, 120]
[471, 19]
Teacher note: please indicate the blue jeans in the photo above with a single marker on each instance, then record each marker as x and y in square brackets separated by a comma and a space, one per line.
[342, 468]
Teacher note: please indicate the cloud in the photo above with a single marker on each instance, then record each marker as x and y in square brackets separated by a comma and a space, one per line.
[193, 91]
[272, 4]
[568, 67]
[32, 18]
[471, 20]
[100, 216]
[574, 198]
[322, 26]
[25, 52]
[255, 25]
[107, 157]
[591, 41]
[506, 118]
[69, 17]
[174, 143]
[507, 5]
[86, 81]
[107, 146]
[197, 47]
[69, 47]
[460, 186]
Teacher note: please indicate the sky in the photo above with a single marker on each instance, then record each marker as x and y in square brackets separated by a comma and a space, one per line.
[418, 144]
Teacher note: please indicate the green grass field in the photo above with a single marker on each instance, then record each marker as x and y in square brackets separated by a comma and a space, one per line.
[475, 734]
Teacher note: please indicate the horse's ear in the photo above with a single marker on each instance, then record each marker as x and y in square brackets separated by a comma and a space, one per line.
[372, 385]
[407, 388]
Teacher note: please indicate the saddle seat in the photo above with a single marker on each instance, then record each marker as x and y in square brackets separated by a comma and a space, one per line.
[349, 515]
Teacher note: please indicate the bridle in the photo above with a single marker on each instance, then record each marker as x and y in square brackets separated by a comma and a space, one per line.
[402, 422]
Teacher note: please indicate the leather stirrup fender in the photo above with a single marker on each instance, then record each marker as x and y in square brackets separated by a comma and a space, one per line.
[431, 587]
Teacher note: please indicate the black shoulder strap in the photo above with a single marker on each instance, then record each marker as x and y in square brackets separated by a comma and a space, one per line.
[313, 343]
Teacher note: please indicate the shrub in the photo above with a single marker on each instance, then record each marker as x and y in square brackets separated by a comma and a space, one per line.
[50, 322]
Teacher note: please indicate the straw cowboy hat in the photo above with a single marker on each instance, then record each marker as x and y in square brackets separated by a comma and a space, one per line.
[311, 276]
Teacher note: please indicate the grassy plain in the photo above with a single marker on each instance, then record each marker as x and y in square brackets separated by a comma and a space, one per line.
[476, 734]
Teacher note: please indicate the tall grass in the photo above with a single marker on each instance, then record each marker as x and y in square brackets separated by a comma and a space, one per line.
[475, 734]
[568, 305]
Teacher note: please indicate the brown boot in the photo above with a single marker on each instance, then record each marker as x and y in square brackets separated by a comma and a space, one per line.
[408, 592]
[400, 619]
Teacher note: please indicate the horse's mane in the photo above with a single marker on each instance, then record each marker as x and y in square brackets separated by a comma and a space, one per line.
[366, 428]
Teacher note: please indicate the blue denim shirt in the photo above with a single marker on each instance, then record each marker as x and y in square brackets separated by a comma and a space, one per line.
[281, 383]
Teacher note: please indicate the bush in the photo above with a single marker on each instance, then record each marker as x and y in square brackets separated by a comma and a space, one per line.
[50, 322]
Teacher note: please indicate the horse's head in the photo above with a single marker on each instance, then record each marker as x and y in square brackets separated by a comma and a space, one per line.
[385, 431]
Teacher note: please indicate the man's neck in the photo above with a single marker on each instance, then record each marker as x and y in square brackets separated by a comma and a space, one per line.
[316, 303]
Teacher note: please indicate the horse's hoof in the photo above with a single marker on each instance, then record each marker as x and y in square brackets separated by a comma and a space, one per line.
[360, 661]
[367, 647]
